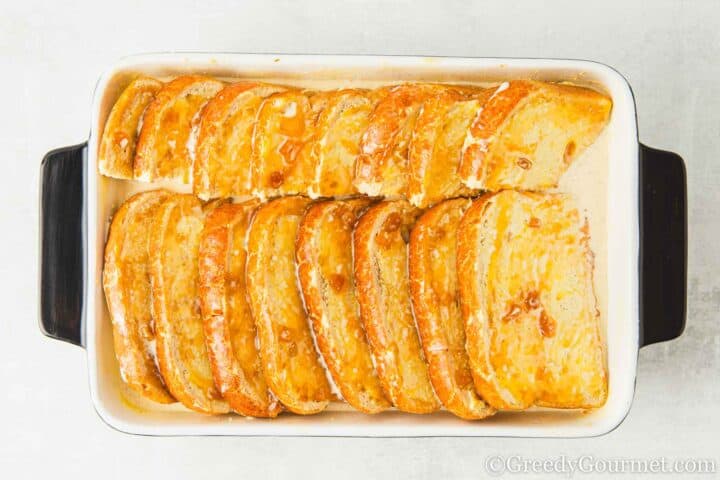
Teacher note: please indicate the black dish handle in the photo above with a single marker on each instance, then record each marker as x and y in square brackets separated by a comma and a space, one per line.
[63, 225]
[663, 245]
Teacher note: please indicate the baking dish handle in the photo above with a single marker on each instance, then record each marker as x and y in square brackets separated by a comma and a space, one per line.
[663, 245]
[62, 244]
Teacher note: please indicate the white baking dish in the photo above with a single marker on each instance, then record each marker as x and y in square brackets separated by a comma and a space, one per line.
[641, 267]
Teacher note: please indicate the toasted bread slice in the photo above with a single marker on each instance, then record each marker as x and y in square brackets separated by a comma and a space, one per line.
[230, 331]
[381, 166]
[324, 257]
[126, 282]
[528, 133]
[165, 148]
[436, 147]
[224, 142]
[531, 319]
[281, 161]
[182, 354]
[292, 367]
[433, 285]
[117, 146]
[381, 278]
[336, 142]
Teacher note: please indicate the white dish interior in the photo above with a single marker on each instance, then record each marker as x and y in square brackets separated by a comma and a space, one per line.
[604, 181]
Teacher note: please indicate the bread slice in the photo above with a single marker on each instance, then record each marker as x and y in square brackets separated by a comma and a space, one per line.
[434, 292]
[381, 278]
[324, 257]
[526, 282]
[182, 354]
[117, 146]
[528, 133]
[292, 367]
[126, 282]
[230, 332]
[224, 141]
[281, 162]
[381, 166]
[165, 148]
[436, 147]
[336, 142]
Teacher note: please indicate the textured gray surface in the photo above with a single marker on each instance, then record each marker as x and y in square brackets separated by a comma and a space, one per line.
[50, 58]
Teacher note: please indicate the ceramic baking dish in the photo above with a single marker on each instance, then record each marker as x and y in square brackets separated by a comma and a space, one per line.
[640, 236]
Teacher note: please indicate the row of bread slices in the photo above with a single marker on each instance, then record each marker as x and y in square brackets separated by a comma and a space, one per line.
[474, 305]
[424, 142]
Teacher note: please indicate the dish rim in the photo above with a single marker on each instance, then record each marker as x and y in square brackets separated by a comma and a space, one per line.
[622, 209]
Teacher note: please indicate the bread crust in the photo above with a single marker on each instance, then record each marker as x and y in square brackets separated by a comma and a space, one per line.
[381, 166]
[531, 319]
[528, 133]
[126, 283]
[117, 146]
[182, 353]
[281, 160]
[164, 148]
[434, 292]
[436, 147]
[291, 364]
[224, 140]
[381, 278]
[425, 142]
[230, 332]
[336, 141]
[324, 257]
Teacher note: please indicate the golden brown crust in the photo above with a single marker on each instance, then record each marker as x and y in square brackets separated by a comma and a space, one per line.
[433, 286]
[224, 142]
[230, 331]
[471, 295]
[281, 162]
[531, 320]
[381, 278]
[436, 148]
[528, 133]
[291, 364]
[126, 283]
[381, 166]
[324, 256]
[162, 149]
[336, 142]
[117, 147]
[421, 141]
[182, 353]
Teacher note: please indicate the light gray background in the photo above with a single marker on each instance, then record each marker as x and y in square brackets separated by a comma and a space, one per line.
[51, 54]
